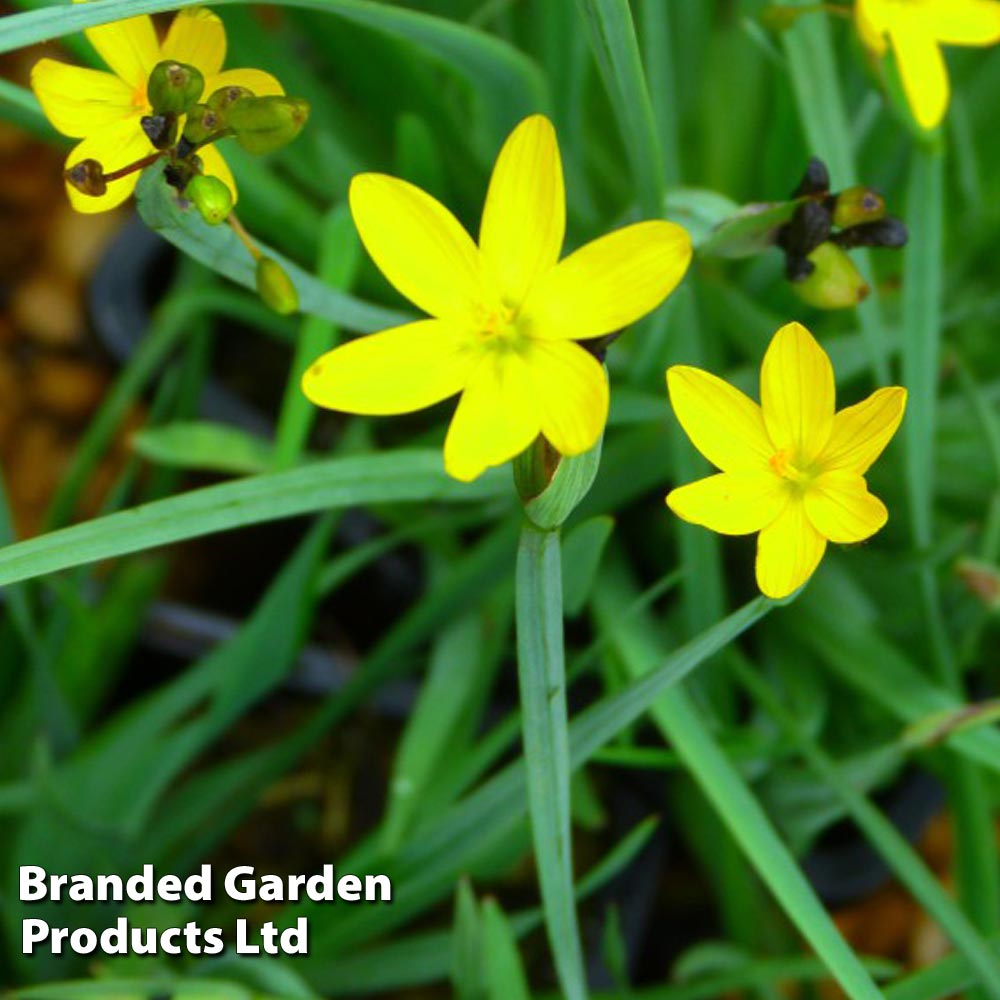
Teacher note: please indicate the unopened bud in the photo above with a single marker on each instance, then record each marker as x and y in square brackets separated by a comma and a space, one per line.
[225, 97]
[211, 197]
[858, 205]
[173, 87]
[202, 123]
[834, 282]
[264, 124]
[87, 177]
[275, 287]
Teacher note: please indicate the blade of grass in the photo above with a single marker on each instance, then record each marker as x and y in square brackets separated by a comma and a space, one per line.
[542, 676]
[405, 476]
[723, 786]
[509, 82]
[894, 849]
[337, 266]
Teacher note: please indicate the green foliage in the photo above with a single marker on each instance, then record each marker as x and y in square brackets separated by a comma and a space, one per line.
[759, 728]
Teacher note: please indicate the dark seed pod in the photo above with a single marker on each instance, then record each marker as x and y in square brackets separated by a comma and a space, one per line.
[889, 233]
[808, 228]
[161, 130]
[798, 268]
[815, 181]
[87, 177]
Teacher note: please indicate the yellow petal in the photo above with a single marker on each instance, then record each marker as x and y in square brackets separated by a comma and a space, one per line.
[196, 37]
[731, 503]
[418, 245]
[788, 551]
[609, 283]
[861, 432]
[496, 419]
[524, 218]
[129, 47]
[261, 83]
[79, 101]
[963, 22]
[396, 371]
[842, 510]
[571, 388]
[922, 70]
[871, 18]
[114, 146]
[797, 393]
[726, 426]
[213, 164]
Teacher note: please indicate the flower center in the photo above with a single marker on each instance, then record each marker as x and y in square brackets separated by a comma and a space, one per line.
[783, 464]
[497, 327]
[139, 99]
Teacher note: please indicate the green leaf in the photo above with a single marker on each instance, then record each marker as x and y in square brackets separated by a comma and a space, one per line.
[336, 483]
[196, 444]
[581, 558]
[542, 676]
[505, 978]
[219, 248]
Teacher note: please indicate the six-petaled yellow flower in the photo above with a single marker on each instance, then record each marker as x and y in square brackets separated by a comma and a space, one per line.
[792, 468]
[104, 109]
[505, 314]
[916, 30]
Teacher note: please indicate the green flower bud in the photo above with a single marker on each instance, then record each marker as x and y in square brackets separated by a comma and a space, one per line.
[550, 485]
[856, 206]
[275, 287]
[225, 97]
[173, 87]
[263, 124]
[834, 282]
[87, 177]
[211, 197]
[202, 123]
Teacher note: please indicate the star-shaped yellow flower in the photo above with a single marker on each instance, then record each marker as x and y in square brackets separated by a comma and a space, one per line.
[792, 468]
[104, 109]
[917, 29]
[505, 313]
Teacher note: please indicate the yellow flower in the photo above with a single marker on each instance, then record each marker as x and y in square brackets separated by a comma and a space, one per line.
[916, 30]
[104, 109]
[792, 468]
[505, 313]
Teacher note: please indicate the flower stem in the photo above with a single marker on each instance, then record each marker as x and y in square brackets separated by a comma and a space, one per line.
[542, 674]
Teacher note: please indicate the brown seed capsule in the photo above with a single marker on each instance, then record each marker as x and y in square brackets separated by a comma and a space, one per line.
[87, 177]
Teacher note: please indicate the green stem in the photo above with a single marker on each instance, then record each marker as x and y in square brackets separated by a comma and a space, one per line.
[337, 265]
[545, 727]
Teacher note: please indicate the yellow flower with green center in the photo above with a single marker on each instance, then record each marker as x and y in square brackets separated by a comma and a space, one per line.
[916, 30]
[792, 468]
[104, 109]
[505, 313]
